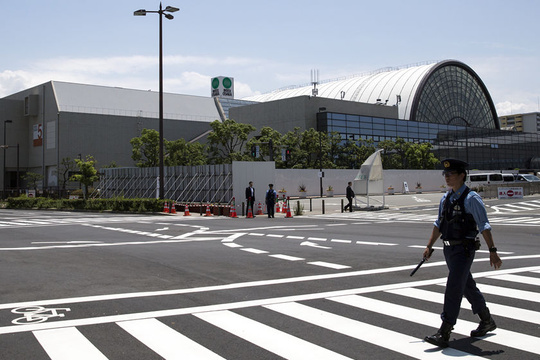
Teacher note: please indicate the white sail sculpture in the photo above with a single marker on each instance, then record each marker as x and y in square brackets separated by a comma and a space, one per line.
[369, 180]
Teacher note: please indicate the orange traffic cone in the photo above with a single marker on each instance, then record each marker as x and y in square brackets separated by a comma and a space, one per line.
[259, 210]
[288, 215]
[278, 207]
[166, 207]
[249, 213]
[186, 210]
[173, 208]
[232, 213]
[208, 212]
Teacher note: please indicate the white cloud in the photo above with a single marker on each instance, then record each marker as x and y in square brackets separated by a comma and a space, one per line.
[139, 72]
[508, 108]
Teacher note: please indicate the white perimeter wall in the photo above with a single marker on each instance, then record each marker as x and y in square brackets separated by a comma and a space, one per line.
[289, 179]
[263, 173]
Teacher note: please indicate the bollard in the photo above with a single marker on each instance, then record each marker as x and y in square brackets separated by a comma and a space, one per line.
[310, 204]
[243, 208]
[323, 206]
[342, 205]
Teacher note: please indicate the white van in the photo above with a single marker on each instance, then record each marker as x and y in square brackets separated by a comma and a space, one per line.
[482, 179]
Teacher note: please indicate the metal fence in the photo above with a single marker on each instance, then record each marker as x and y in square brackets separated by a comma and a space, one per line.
[204, 183]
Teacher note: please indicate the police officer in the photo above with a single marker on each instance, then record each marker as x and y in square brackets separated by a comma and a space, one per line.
[461, 216]
[270, 199]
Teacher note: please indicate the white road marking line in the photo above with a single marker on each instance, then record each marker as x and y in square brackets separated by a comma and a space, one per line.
[329, 265]
[254, 251]
[233, 245]
[232, 237]
[108, 319]
[286, 257]
[266, 337]
[67, 344]
[388, 339]
[165, 341]
[341, 241]
[295, 237]
[275, 235]
[229, 306]
[316, 239]
[375, 243]
[308, 243]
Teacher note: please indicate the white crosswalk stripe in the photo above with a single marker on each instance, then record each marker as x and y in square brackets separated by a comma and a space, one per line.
[69, 342]
[165, 341]
[386, 216]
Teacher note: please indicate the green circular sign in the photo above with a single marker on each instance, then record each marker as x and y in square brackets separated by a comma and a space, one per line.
[215, 83]
[227, 83]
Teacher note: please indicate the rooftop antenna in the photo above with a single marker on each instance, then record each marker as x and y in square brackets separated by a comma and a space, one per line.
[314, 82]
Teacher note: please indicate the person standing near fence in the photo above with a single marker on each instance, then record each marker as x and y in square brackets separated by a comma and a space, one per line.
[270, 200]
[350, 195]
[250, 197]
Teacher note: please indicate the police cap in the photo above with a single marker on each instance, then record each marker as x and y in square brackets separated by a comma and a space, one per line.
[454, 165]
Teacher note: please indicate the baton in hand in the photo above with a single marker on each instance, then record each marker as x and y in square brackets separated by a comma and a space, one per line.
[421, 262]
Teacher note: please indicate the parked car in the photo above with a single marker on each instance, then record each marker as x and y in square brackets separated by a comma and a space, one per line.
[527, 178]
[482, 179]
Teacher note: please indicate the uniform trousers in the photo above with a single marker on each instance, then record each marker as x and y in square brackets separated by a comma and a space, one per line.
[270, 208]
[460, 283]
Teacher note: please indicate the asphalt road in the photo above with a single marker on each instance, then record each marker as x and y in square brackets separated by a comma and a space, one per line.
[118, 286]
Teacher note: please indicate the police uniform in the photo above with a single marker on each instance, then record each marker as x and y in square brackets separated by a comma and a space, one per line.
[462, 216]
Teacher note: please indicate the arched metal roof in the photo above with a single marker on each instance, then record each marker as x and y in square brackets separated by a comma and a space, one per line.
[443, 92]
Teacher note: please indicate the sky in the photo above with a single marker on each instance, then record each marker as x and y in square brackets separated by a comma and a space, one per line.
[267, 45]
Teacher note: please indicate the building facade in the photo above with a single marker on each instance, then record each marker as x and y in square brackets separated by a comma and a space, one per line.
[444, 103]
[529, 122]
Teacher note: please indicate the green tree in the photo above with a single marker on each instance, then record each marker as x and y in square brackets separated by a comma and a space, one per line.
[66, 166]
[87, 173]
[145, 151]
[419, 156]
[267, 136]
[32, 179]
[291, 141]
[182, 153]
[227, 139]
[354, 153]
[395, 153]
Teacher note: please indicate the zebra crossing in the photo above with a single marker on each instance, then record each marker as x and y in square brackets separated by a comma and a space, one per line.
[501, 215]
[397, 317]
[90, 219]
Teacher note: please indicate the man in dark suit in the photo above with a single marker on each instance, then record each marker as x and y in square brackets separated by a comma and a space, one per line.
[350, 195]
[250, 197]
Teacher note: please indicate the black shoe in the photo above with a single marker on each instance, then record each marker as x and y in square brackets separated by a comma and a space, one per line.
[442, 336]
[486, 325]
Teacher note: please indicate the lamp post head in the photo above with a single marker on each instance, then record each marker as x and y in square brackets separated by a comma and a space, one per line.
[140, 12]
[171, 9]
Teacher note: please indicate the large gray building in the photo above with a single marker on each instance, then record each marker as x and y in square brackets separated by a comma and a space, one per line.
[58, 120]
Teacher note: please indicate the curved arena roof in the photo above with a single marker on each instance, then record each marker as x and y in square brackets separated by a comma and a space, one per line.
[446, 92]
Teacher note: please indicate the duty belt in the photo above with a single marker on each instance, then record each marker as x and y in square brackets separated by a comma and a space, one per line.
[453, 242]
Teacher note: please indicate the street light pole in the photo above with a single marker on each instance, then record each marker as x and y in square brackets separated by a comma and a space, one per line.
[4, 163]
[161, 12]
